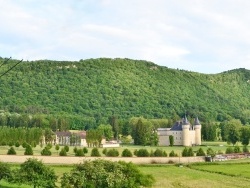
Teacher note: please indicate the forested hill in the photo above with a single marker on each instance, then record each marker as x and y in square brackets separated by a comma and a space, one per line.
[96, 89]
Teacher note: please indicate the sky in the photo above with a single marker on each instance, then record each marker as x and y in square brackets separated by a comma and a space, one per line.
[206, 36]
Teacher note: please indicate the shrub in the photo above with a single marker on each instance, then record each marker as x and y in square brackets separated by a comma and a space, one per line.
[11, 143]
[172, 154]
[185, 152]
[135, 152]
[151, 153]
[113, 153]
[24, 144]
[5, 171]
[200, 152]
[63, 152]
[66, 148]
[11, 151]
[245, 149]
[160, 153]
[49, 145]
[211, 152]
[85, 150]
[237, 149]
[79, 152]
[108, 173]
[57, 147]
[190, 152]
[95, 152]
[33, 144]
[229, 150]
[46, 151]
[75, 149]
[104, 151]
[126, 153]
[3, 143]
[17, 144]
[28, 150]
[142, 153]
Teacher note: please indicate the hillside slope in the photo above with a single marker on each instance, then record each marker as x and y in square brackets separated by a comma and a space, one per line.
[98, 88]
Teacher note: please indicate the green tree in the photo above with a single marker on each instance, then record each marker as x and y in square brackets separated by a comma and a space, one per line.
[28, 150]
[106, 174]
[171, 140]
[46, 152]
[34, 172]
[63, 152]
[233, 133]
[200, 152]
[126, 153]
[11, 151]
[106, 131]
[95, 152]
[244, 135]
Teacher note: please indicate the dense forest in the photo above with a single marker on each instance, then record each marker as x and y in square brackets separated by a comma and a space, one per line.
[91, 92]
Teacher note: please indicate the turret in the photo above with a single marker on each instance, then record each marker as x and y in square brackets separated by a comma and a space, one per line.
[197, 128]
[185, 131]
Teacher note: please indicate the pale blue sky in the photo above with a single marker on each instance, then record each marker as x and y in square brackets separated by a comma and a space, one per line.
[207, 36]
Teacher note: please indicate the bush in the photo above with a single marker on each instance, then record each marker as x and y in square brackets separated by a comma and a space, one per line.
[190, 152]
[11, 143]
[49, 145]
[66, 148]
[28, 150]
[105, 151]
[113, 153]
[108, 173]
[17, 144]
[57, 147]
[135, 152]
[33, 144]
[185, 152]
[46, 151]
[85, 150]
[75, 149]
[245, 149]
[237, 149]
[173, 154]
[11, 151]
[5, 172]
[3, 143]
[200, 152]
[229, 150]
[24, 144]
[142, 153]
[95, 152]
[160, 153]
[63, 152]
[79, 152]
[126, 153]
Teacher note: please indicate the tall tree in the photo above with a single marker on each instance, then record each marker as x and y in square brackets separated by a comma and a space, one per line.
[244, 135]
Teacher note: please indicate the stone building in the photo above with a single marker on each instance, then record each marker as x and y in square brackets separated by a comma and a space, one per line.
[183, 132]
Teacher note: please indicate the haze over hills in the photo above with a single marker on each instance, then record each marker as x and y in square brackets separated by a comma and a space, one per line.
[95, 89]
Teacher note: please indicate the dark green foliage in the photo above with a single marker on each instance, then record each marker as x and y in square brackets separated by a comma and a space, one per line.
[95, 152]
[28, 150]
[245, 135]
[126, 153]
[85, 150]
[185, 152]
[229, 150]
[75, 149]
[66, 148]
[171, 140]
[24, 145]
[46, 151]
[11, 151]
[79, 152]
[142, 153]
[124, 86]
[49, 145]
[190, 152]
[112, 153]
[94, 138]
[160, 153]
[34, 172]
[17, 144]
[245, 149]
[11, 143]
[200, 152]
[5, 171]
[106, 174]
[237, 149]
[211, 152]
[63, 152]
[173, 154]
[57, 147]
[104, 151]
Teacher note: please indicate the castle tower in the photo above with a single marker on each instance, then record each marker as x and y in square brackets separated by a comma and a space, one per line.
[197, 128]
[185, 132]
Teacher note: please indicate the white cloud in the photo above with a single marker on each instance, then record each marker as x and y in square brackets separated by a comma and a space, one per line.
[199, 35]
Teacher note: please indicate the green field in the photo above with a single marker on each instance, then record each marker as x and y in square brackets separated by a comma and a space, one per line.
[198, 176]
